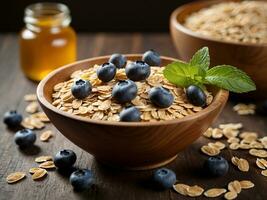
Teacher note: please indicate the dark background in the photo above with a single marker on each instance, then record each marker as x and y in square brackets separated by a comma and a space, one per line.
[100, 15]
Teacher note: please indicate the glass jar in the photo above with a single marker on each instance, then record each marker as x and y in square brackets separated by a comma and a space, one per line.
[47, 41]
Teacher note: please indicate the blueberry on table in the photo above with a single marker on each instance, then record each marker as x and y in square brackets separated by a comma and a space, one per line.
[25, 138]
[161, 97]
[124, 91]
[152, 58]
[81, 89]
[65, 159]
[118, 60]
[130, 114]
[216, 166]
[164, 178]
[137, 71]
[82, 179]
[106, 72]
[196, 96]
[12, 119]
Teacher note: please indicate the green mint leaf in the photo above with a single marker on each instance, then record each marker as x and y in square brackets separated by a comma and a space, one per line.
[182, 74]
[201, 58]
[230, 78]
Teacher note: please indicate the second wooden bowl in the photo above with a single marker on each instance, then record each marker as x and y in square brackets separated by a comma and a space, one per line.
[130, 145]
[251, 58]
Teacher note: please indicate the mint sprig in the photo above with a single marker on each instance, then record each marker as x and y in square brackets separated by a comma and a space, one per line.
[197, 72]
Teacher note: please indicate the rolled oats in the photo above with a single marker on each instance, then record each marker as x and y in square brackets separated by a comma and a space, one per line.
[211, 151]
[241, 163]
[194, 191]
[46, 135]
[264, 172]
[41, 159]
[32, 107]
[230, 195]
[30, 97]
[234, 186]
[15, 177]
[39, 173]
[214, 192]
[261, 163]
[181, 188]
[231, 21]
[47, 165]
[100, 105]
[258, 153]
[246, 184]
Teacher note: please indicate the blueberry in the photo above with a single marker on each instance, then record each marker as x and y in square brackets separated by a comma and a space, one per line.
[161, 97]
[164, 178]
[12, 119]
[262, 108]
[124, 91]
[25, 138]
[152, 58]
[216, 166]
[65, 158]
[106, 72]
[130, 114]
[118, 60]
[81, 89]
[82, 179]
[196, 96]
[137, 71]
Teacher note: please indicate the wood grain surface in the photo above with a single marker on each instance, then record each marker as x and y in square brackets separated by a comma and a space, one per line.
[110, 183]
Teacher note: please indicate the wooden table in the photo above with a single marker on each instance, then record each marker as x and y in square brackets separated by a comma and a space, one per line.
[111, 183]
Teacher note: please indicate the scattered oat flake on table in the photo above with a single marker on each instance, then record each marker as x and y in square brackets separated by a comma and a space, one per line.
[41, 159]
[208, 132]
[244, 109]
[34, 169]
[234, 186]
[194, 191]
[261, 163]
[258, 153]
[217, 133]
[15, 177]
[32, 107]
[241, 163]
[41, 116]
[32, 123]
[246, 184]
[233, 126]
[230, 195]
[214, 192]
[211, 151]
[47, 165]
[30, 97]
[46, 135]
[264, 172]
[181, 188]
[234, 146]
[217, 145]
[40, 173]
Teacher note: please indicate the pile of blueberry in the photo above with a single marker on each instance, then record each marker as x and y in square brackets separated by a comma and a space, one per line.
[126, 90]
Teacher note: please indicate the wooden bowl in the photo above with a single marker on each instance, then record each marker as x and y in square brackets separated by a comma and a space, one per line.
[129, 145]
[251, 58]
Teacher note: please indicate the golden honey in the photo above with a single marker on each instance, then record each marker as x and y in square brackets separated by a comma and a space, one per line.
[47, 42]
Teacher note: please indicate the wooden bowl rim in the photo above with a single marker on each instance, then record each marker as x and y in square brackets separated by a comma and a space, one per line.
[179, 26]
[221, 97]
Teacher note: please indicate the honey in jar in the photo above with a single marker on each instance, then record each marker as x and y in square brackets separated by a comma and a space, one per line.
[47, 41]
